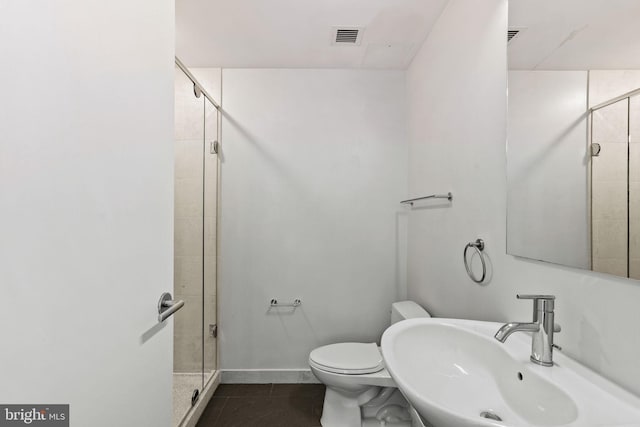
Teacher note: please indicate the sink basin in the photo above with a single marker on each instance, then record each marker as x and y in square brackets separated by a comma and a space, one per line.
[455, 374]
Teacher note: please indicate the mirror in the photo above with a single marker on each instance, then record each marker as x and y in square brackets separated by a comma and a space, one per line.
[573, 137]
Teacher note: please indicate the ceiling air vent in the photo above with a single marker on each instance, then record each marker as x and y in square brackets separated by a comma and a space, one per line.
[513, 33]
[346, 35]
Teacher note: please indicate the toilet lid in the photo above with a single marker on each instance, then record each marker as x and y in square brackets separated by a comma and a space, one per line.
[348, 358]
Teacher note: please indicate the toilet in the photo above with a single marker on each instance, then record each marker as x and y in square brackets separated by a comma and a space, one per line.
[360, 391]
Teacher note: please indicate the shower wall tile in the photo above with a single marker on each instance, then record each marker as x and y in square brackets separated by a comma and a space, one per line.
[634, 119]
[210, 271]
[609, 200]
[209, 311]
[188, 320]
[189, 159]
[188, 197]
[611, 164]
[210, 235]
[188, 127]
[188, 275]
[610, 239]
[634, 268]
[210, 186]
[610, 124]
[634, 221]
[210, 122]
[188, 236]
[634, 202]
[188, 324]
[634, 162]
[210, 348]
[210, 353]
[634, 210]
[609, 190]
[187, 353]
[617, 267]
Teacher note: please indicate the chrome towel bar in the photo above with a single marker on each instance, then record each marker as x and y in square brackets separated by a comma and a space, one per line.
[296, 303]
[447, 196]
[167, 306]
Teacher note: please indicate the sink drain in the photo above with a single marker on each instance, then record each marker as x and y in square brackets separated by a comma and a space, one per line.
[490, 415]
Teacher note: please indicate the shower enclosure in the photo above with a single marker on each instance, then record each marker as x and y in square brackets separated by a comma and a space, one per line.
[615, 186]
[195, 218]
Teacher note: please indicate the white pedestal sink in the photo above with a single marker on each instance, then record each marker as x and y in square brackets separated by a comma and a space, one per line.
[456, 374]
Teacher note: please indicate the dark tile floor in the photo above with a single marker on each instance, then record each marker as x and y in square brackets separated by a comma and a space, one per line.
[264, 405]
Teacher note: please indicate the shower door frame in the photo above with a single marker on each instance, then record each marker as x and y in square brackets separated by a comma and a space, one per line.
[209, 376]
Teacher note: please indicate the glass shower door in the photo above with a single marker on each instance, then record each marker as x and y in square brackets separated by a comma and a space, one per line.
[634, 187]
[188, 245]
[210, 249]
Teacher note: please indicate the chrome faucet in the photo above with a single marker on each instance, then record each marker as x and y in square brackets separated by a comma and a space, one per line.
[542, 328]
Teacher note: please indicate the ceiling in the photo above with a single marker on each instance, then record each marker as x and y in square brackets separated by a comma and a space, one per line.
[575, 34]
[298, 33]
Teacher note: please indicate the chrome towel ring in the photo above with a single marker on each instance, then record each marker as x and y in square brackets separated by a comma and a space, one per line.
[478, 245]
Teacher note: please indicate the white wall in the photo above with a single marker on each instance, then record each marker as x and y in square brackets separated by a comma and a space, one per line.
[456, 88]
[313, 167]
[547, 204]
[86, 165]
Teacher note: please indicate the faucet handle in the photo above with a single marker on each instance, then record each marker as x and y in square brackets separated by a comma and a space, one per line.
[540, 303]
[536, 297]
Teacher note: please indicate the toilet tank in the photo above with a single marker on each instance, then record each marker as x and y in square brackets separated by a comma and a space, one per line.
[403, 310]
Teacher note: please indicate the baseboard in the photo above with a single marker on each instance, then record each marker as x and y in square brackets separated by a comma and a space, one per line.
[268, 376]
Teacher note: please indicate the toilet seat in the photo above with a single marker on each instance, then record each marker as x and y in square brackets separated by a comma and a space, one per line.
[348, 358]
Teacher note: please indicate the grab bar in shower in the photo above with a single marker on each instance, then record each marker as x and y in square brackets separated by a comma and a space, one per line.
[447, 196]
[296, 303]
[167, 306]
